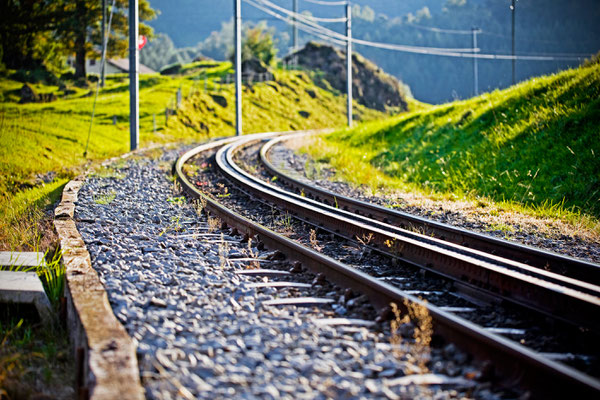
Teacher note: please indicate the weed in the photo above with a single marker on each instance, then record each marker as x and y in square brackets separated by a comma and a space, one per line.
[199, 205]
[105, 198]
[314, 243]
[52, 275]
[176, 187]
[223, 252]
[190, 169]
[363, 243]
[178, 201]
[282, 222]
[419, 317]
[213, 224]
[175, 225]
[252, 254]
[106, 172]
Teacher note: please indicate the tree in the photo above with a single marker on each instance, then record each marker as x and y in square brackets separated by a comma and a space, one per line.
[26, 31]
[81, 31]
[258, 43]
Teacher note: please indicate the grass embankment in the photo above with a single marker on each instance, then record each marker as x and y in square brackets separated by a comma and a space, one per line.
[534, 147]
[51, 137]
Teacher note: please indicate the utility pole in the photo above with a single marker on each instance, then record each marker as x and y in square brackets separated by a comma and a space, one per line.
[295, 31]
[238, 65]
[475, 31]
[102, 73]
[134, 106]
[512, 7]
[349, 61]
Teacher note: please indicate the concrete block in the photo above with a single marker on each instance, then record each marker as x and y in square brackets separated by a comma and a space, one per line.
[25, 259]
[25, 288]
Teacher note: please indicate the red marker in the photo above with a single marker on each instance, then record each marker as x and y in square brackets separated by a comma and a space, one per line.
[142, 41]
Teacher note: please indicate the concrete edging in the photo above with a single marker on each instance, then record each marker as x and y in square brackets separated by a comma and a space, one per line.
[105, 354]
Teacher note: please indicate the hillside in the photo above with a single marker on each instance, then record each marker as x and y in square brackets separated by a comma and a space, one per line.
[371, 86]
[536, 144]
[43, 143]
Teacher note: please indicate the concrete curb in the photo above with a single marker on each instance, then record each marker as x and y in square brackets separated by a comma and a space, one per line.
[105, 355]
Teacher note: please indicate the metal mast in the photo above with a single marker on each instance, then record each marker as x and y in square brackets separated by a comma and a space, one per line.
[512, 7]
[102, 71]
[349, 61]
[238, 66]
[134, 107]
[475, 72]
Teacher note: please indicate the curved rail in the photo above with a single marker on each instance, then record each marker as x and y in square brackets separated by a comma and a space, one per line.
[561, 297]
[558, 263]
[514, 363]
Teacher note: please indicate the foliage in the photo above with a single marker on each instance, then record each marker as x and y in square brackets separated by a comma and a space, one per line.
[258, 44]
[81, 31]
[42, 32]
[34, 359]
[26, 32]
[534, 144]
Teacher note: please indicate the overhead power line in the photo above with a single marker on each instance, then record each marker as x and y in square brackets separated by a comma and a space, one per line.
[327, 34]
[440, 30]
[306, 28]
[327, 3]
[319, 19]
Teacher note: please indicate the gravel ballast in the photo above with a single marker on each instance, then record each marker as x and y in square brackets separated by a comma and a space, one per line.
[483, 217]
[203, 332]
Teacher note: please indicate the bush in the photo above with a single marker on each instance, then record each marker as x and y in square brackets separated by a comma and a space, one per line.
[36, 75]
[172, 69]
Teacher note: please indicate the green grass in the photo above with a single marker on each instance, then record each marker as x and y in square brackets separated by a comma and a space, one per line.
[534, 146]
[38, 138]
[51, 274]
[34, 359]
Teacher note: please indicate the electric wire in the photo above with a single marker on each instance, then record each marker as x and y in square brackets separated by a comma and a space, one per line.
[102, 62]
[328, 32]
[448, 52]
[327, 3]
[320, 19]
[441, 30]
[305, 28]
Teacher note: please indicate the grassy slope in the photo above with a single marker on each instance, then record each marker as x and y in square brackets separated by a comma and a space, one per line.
[536, 144]
[38, 138]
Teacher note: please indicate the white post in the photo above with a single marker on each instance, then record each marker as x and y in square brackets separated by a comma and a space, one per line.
[349, 61]
[475, 72]
[295, 58]
[134, 107]
[102, 68]
[238, 66]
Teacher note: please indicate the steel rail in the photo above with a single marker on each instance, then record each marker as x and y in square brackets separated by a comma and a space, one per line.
[558, 263]
[513, 363]
[569, 300]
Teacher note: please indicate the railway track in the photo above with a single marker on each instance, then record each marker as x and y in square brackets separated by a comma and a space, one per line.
[565, 297]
